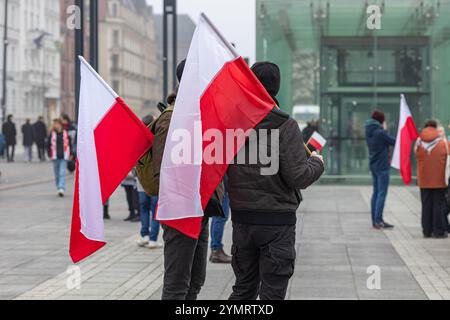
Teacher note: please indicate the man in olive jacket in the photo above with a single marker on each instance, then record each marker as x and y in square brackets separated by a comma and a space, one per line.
[185, 258]
[264, 206]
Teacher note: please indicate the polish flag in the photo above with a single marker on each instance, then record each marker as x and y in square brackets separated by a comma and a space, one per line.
[111, 139]
[218, 91]
[407, 134]
[317, 141]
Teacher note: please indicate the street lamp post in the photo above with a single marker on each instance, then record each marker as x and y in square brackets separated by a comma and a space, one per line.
[5, 60]
[79, 51]
[93, 47]
[170, 9]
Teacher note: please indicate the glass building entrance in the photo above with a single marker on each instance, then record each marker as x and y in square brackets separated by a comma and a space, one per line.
[360, 75]
[331, 60]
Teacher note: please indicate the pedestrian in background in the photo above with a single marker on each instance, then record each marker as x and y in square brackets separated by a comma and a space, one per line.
[149, 225]
[218, 255]
[431, 152]
[378, 141]
[147, 209]
[71, 129]
[130, 186]
[40, 134]
[311, 127]
[28, 140]
[264, 206]
[59, 151]
[10, 133]
[2, 146]
[442, 133]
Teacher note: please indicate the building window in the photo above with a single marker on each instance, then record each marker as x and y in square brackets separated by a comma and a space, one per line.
[114, 9]
[115, 63]
[116, 37]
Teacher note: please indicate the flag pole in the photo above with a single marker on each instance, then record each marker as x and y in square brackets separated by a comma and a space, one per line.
[219, 34]
[307, 149]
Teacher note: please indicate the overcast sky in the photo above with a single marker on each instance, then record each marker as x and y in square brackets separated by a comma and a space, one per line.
[234, 18]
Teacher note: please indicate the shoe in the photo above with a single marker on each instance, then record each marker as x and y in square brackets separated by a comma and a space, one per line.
[61, 193]
[385, 225]
[377, 226]
[143, 242]
[442, 236]
[219, 256]
[153, 245]
[136, 219]
[128, 219]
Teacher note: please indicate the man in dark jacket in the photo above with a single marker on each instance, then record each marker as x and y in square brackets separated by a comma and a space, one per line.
[10, 133]
[40, 135]
[379, 141]
[264, 206]
[28, 140]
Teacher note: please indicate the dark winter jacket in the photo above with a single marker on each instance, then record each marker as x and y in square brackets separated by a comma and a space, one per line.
[378, 141]
[40, 133]
[272, 199]
[10, 133]
[28, 134]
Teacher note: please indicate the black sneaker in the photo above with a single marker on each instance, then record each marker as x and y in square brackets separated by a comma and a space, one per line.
[136, 219]
[386, 225]
[442, 236]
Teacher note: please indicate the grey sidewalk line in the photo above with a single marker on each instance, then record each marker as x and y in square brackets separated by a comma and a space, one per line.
[13, 186]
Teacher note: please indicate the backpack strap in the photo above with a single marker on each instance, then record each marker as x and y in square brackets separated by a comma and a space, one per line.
[152, 126]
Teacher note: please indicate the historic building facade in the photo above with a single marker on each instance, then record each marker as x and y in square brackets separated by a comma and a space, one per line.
[128, 49]
[33, 68]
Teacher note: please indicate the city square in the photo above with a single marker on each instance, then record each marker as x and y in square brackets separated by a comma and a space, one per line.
[239, 150]
[335, 246]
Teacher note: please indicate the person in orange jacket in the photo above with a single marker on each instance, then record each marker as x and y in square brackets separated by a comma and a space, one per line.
[431, 153]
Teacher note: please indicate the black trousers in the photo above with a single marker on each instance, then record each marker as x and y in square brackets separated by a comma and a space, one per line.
[10, 149]
[434, 215]
[263, 261]
[185, 261]
[132, 200]
[41, 151]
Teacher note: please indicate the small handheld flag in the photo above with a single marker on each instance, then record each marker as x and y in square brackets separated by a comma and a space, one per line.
[316, 142]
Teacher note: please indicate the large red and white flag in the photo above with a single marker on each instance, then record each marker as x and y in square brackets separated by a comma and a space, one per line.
[111, 139]
[407, 134]
[218, 91]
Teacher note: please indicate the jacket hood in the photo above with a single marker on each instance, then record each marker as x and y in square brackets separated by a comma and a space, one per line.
[273, 120]
[371, 126]
[429, 134]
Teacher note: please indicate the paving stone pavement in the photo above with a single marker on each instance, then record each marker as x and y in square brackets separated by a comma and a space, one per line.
[335, 247]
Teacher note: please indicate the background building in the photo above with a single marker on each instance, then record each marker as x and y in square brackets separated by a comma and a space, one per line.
[33, 73]
[330, 58]
[127, 47]
[186, 29]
